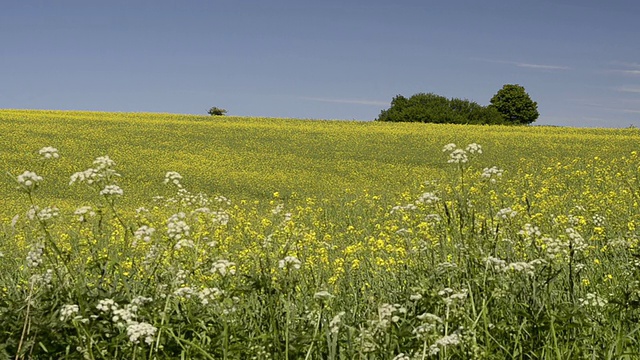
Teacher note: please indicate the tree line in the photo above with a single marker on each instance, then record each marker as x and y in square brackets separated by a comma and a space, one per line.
[511, 105]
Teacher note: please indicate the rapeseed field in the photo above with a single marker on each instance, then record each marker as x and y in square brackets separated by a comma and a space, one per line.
[168, 236]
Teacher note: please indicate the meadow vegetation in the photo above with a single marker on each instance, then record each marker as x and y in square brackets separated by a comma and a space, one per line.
[163, 236]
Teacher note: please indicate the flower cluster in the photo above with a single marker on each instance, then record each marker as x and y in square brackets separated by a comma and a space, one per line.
[492, 174]
[111, 190]
[34, 257]
[102, 172]
[29, 180]
[177, 228]
[68, 311]
[82, 213]
[173, 178]
[49, 152]
[143, 233]
[506, 213]
[224, 267]
[289, 262]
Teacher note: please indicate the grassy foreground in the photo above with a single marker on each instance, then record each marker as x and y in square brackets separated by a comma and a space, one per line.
[237, 238]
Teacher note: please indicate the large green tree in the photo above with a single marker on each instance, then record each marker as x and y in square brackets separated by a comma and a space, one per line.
[515, 105]
[432, 108]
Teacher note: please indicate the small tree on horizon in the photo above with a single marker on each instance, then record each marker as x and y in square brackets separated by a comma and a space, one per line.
[216, 111]
[515, 105]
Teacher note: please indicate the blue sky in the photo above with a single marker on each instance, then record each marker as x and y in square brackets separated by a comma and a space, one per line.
[579, 59]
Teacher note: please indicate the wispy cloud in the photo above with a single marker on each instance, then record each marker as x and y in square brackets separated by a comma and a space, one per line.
[348, 101]
[626, 72]
[629, 89]
[625, 68]
[526, 65]
[625, 64]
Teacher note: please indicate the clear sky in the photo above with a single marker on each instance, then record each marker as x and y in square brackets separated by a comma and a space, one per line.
[329, 59]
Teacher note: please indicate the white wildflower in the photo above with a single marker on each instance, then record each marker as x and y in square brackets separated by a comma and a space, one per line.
[29, 180]
[598, 220]
[530, 231]
[49, 152]
[111, 190]
[184, 292]
[415, 297]
[402, 356]
[289, 262]
[430, 318]
[125, 315]
[474, 148]
[136, 330]
[449, 147]
[278, 209]
[82, 213]
[222, 200]
[334, 324]
[173, 178]
[177, 228]
[207, 294]
[403, 207]
[322, 295]
[449, 340]
[593, 300]
[220, 217]
[224, 267]
[458, 156]
[428, 198]
[89, 176]
[68, 311]
[144, 233]
[496, 264]
[506, 213]
[106, 305]
[577, 240]
[422, 330]
[184, 243]
[103, 162]
[34, 257]
[492, 174]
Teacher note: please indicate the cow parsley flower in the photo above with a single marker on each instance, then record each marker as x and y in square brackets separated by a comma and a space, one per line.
[177, 228]
[593, 300]
[428, 198]
[68, 311]
[34, 257]
[173, 178]
[445, 341]
[136, 331]
[49, 152]
[289, 262]
[29, 180]
[492, 174]
[224, 267]
[84, 211]
[458, 156]
[143, 233]
[474, 148]
[506, 213]
[449, 147]
[210, 294]
[111, 190]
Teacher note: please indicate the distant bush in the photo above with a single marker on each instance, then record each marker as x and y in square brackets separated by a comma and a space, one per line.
[432, 108]
[216, 111]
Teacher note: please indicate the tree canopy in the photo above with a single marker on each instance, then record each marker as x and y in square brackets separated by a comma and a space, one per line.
[511, 105]
[432, 108]
[515, 105]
